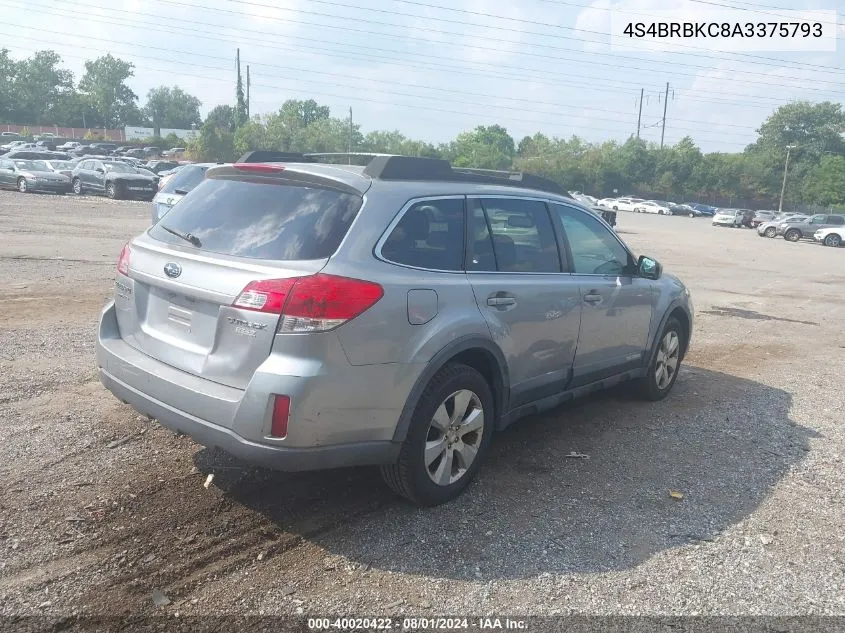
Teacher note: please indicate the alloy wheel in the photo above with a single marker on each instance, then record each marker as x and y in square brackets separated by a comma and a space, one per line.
[667, 359]
[454, 437]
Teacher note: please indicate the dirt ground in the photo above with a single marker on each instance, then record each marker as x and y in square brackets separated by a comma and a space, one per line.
[100, 508]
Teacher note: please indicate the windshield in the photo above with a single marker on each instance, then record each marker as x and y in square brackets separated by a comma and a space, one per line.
[31, 165]
[185, 179]
[120, 168]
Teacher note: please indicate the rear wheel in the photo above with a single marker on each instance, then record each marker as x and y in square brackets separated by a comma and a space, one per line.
[692, 215]
[770, 231]
[77, 186]
[448, 437]
[833, 240]
[792, 235]
[666, 360]
[22, 186]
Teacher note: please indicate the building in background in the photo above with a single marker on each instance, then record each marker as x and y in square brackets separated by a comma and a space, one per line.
[139, 133]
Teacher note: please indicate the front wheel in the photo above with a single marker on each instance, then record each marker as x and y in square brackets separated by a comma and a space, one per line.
[833, 240]
[22, 186]
[447, 439]
[792, 235]
[770, 232]
[666, 360]
[112, 191]
[77, 186]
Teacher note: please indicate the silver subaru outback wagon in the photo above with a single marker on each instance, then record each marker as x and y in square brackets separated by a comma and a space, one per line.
[304, 315]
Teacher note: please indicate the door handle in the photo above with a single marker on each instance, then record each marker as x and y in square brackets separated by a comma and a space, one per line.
[498, 302]
[592, 297]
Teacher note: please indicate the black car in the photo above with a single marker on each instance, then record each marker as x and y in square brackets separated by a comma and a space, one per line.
[35, 154]
[103, 148]
[112, 178]
[159, 166]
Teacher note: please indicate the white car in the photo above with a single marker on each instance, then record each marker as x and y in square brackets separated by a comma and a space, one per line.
[606, 203]
[653, 206]
[626, 204]
[833, 236]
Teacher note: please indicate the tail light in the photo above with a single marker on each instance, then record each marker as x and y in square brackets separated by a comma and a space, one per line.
[123, 260]
[281, 412]
[259, 168]
[315, 303]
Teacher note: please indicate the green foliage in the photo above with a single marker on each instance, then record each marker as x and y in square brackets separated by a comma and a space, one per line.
[825, 183]
[104, 84]
[173, 108]
[212, 145]
[486, 147]
[222, 117]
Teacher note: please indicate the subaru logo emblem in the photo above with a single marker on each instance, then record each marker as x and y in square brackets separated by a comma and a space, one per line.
[172, 270]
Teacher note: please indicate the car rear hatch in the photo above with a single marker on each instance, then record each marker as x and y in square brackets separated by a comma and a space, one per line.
[209, 302]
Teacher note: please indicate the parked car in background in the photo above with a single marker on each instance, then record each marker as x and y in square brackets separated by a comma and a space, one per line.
[7, 135]
[64, 167]
[733, 217]
[590, 201]
[31, 175]
[247, 317]
[806, 228]
[68, 145]
[770, 229]
[151, 151]
[607, 203]
[626, 204]
[112, 178]
[660, 207]
[683, 209]
[176, 187]
[159, 166]
[762, 216]
[35, 154]
[704, 210]
[831, 236]
[136, 152]
[7, 147]
[173, 152]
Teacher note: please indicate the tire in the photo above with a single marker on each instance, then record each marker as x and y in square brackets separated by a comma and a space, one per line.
[649, 387]
[692, 215]
[770, 231]
[833, 240]
[22, 186]
[414, 478]
[113, 191]
[792, 235]
[77, 186]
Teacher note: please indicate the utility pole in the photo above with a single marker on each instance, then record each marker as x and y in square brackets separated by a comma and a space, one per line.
[665, 103]
[640, 115]
[349, 141]
[247, 91]
[785, 169]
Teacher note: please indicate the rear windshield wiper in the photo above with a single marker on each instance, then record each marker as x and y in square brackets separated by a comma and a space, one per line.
[193, 239]
[181, 192]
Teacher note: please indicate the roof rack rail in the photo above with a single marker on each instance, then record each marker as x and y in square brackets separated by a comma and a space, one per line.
[412, 168]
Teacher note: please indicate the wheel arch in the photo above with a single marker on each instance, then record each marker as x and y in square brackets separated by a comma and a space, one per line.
[474, 351]
[675, 309]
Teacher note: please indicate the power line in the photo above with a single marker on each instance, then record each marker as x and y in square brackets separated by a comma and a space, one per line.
[461, 36]
[355, 97]
[762, 101]
[394, 92]
[757, 8]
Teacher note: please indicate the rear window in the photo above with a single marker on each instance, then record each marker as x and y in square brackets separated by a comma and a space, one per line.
[262, 221]
[186, 179]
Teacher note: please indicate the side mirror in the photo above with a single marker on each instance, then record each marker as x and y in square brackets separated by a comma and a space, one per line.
[649, 268]
[100, 170]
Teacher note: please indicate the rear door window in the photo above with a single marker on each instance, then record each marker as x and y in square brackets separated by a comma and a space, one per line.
[260, 220]
[430, 235]
[523, 236]
[836, 220]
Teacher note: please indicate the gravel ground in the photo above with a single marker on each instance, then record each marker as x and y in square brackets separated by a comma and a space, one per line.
[99, 508]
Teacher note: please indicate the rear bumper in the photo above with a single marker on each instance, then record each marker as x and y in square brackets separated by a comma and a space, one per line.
[335, 421]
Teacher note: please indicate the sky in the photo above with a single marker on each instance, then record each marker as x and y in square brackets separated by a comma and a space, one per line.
[432, 69]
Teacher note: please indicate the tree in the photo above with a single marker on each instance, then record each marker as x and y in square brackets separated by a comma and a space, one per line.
[825, 183]
[489, 147]
[8, 93]
[252, 135]
[813, 127]
[241, 114]
[104, 84]
[222, 117]
[173, 108]
[212, 145]
[303, 113]
[40, 86]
